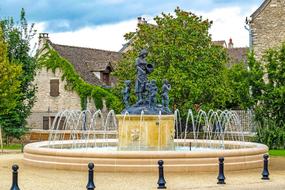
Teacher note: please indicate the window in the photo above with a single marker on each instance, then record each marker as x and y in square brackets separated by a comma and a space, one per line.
[54, 87]
[105, 75]
[106, 78]
[48, 122]
[45, 123]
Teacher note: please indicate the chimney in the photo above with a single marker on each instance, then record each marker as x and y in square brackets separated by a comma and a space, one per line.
[141, 20]
[43, 39]
[230, 44]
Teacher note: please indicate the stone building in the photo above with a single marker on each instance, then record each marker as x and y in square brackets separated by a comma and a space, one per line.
[267, 26]
[235, 54]
[93, 65]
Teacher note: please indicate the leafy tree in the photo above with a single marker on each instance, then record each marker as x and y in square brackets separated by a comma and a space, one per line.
[182, 51]
[267, 78]
[9, 83]
[255, 78]
[239, 87]
[273, 97]
[18, 36]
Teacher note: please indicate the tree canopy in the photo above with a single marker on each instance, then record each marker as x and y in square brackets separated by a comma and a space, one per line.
[9, 83]
[182, 51]
[17, 36]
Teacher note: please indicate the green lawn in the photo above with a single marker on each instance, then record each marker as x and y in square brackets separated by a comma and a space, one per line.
[277, 153]
[12, 146]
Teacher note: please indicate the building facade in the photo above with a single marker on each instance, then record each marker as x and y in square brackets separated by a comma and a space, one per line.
[267, 25]
[94, 66]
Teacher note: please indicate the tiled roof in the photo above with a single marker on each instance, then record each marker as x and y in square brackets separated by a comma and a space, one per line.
[220, 43]
[88, 60]
[237, 55]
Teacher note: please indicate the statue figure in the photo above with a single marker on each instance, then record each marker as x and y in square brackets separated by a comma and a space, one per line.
[146, 91]
[126, 93]
[164, 96]
[153, 92]
[143, 68]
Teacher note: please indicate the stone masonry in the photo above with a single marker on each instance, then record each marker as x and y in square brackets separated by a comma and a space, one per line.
[47, 105]
[268, 26]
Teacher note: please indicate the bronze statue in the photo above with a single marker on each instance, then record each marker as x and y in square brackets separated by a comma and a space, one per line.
[146, 91]
[143, 69]
[126, 93]
[164, 96]
[153, 92]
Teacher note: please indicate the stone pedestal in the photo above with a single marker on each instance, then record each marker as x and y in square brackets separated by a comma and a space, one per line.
[148, 132]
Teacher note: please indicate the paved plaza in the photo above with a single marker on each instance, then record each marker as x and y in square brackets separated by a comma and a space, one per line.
[53, 179]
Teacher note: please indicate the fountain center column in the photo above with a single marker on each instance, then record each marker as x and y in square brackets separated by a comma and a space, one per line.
[147, 132]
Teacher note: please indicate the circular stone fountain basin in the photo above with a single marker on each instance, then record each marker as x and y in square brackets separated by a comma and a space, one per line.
[70, 155]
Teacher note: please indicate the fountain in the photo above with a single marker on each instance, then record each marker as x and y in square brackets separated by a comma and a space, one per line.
[143, 134]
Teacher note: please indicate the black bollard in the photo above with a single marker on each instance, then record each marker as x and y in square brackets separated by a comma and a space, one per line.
[15, 178]
[90, 185]
[221, 177]
[161, 181]
[265, 172]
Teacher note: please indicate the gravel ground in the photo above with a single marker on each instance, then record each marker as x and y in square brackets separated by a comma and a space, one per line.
[31, 178]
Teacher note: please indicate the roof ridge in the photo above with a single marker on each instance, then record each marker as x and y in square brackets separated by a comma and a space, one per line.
[259, 9]
[84, 47]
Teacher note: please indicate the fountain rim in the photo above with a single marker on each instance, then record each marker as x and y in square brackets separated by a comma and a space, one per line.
[249, 148]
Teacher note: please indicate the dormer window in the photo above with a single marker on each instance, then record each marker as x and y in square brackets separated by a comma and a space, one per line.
[106, 75]
[101, 70]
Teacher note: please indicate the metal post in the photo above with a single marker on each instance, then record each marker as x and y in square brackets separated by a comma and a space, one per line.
[161, 181]
[221, 177]
[265, 172]
[15, 178]
[90, 185]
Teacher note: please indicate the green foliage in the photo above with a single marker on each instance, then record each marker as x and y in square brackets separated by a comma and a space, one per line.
[9, 82]
[238, 84]
[255, 78]
[52, 60]
[273, 100]
[269, 94]
[18, 36]
[182, 52]
[272, 135]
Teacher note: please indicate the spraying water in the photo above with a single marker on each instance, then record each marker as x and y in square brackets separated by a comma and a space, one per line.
[89, 128]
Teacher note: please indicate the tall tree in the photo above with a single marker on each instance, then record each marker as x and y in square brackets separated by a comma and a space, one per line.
[9, 83]
[181, 49]
[18, 36]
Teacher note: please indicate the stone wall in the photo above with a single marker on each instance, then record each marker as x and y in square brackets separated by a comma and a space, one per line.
[47, 105]
[268, 26]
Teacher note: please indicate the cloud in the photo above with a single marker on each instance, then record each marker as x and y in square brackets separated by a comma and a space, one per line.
[228, 23]
[108, 37]
[72, 15]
